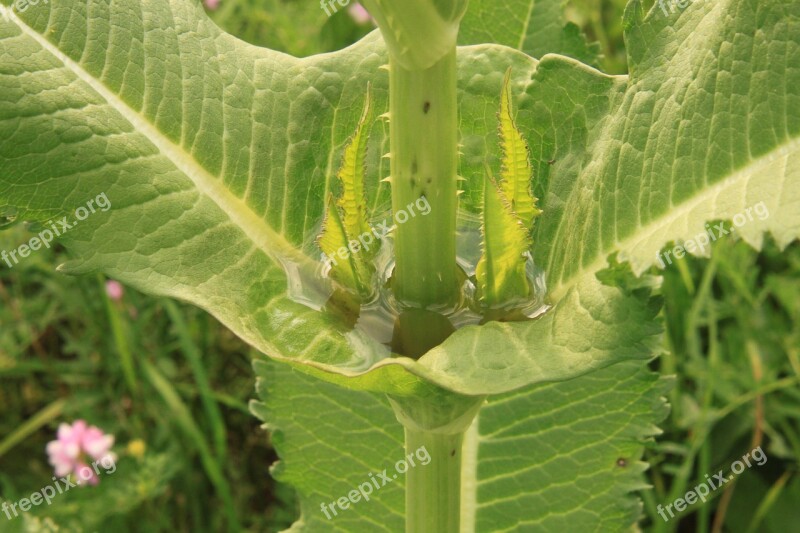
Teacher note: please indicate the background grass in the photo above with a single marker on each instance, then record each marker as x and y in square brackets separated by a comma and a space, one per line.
[173, 385]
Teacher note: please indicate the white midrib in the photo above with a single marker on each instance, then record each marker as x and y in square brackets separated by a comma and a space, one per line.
[253, 226]
[677, 212]
[525, 26]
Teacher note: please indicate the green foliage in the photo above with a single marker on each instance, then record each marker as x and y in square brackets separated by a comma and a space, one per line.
[507, 218]
[622, 164]
[733, 335]
[553, 440]
[183, 180]
[60, 360]
[536, 27]
[352, 175]
[515, 171]
[501, 272]
[347, 270]
[347, 219]
[296, 27]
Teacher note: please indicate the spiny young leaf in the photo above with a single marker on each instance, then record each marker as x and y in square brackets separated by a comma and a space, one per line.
[347, 268]
[346, 219]
[516, 170]
[351, 174]
[501, 269]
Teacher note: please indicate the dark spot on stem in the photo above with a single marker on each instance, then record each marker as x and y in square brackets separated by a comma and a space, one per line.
[429, 180]
[426, 107]
[453, 453]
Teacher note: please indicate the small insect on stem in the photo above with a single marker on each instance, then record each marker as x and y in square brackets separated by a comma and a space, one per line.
[426, 107]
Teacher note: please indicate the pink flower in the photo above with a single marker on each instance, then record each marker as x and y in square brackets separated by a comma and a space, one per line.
[115, 290]
[76, 446]
[211, 4]
[359, 14]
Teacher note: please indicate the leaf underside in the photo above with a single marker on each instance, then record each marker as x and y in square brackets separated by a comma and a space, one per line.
[575, 447]
[536, 27]
[218, 158]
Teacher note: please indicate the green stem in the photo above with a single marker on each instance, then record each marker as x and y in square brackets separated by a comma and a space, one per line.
[424, 144]
[437, 421]
[433, 491]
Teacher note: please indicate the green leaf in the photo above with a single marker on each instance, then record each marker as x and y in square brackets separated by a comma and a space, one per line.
[625, 165]
[353, 200]
[347, 268]
[563, 456]
[217, 158]
[501, 275]
[662, 166]
[536, 27]
[516, 170]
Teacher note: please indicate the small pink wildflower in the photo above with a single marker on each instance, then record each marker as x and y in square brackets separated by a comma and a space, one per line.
[211, 4]
[359, 14]
[115, 290]
[77, 445]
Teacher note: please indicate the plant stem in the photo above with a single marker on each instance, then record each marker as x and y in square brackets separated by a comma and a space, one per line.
[424, 145]
[433, 491]
[436, 421]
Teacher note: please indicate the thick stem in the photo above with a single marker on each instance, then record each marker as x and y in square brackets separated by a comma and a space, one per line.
[424, 145]
[437, 422]
[433, 491]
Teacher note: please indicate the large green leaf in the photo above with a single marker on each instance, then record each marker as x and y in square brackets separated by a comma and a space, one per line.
[217, 157]
[536, 27]
[555, 457]
[624, 165]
